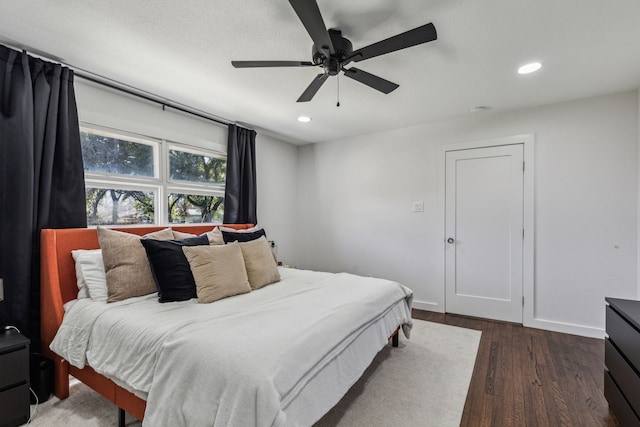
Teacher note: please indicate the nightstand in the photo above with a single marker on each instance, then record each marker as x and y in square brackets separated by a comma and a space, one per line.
[14, 378]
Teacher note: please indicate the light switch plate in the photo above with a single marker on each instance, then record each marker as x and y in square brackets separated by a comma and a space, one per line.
[1, 289]
[418, 206]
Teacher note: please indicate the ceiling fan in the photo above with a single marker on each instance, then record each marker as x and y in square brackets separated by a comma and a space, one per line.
[333, 52]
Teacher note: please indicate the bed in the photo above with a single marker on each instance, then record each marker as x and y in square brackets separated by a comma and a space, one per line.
[306, 370]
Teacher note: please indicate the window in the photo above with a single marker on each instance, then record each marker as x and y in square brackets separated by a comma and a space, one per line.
[196, 166]
[105, 153]
[132, 179]
[194, 208]
[119, 206]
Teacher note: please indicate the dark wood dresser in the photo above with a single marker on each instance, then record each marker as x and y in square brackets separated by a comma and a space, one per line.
[622, 360]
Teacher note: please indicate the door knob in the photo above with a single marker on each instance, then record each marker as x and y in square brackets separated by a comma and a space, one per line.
[450, 240]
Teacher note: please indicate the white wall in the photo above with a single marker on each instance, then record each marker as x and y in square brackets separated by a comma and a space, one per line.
[355, 205]
[276, 164]
[638, 133]
[277, 179]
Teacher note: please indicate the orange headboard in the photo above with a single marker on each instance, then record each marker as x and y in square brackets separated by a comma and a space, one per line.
[58, 274]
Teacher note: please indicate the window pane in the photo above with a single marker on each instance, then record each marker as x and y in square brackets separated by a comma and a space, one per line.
[108, 206]
[107, 154]
[195, 208]
[192, 167]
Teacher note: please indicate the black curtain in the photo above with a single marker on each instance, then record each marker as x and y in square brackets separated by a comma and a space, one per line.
[41, 176]
[240, 192]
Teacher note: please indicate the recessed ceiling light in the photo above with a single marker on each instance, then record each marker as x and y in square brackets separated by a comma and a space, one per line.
[529, 68]
[304, 119]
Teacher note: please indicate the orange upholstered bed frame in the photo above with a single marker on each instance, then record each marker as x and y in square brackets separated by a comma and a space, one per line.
[58, 286]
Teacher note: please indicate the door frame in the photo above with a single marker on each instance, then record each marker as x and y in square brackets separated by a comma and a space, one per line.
[528, 244]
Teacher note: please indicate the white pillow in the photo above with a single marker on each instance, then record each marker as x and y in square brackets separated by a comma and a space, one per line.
[92, 279]
[82, 284]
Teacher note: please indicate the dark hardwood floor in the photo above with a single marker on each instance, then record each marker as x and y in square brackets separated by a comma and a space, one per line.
[531, 377]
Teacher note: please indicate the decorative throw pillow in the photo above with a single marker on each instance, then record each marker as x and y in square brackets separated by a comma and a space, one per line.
[242, 236]
[92, 281]
[125, 262]
[215, 236]
[83, 292]
[170, 267]
[164, 234]
[218, 271]
[259, 262]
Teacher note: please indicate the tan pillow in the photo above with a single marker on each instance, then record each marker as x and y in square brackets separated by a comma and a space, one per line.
[215, 236]
[218, 271]
[126, 265]
[164, 234]
[259, 262]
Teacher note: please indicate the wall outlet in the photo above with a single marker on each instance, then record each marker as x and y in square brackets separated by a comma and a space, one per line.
[418, 206]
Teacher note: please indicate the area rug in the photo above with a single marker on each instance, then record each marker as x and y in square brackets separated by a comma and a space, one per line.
[421, 383]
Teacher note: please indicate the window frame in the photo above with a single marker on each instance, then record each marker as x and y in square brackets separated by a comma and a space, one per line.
[161, 184]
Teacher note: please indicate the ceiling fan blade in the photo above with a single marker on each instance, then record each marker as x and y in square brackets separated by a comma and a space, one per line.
[311, 90]
[254, 64]
[378, 83]
[423, 34]
[309, 14]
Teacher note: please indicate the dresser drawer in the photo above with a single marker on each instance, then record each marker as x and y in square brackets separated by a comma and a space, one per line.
[14, 406]
[625, 377]
[14, 368]
[624, 336]
[623, 412]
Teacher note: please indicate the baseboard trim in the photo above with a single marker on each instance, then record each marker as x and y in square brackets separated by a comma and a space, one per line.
[428, 306]
[566, 328]
[547, 325]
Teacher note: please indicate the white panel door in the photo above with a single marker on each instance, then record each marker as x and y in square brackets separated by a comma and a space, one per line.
[484, 232]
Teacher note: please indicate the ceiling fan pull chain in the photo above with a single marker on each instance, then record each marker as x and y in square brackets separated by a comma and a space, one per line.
[338, 103]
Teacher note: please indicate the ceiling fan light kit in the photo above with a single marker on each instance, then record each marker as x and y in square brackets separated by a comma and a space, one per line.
[333, 52]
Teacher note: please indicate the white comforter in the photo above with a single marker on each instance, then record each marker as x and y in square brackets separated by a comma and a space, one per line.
[240, 361]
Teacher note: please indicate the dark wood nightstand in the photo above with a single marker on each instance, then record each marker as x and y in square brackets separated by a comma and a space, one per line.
[622, 360]
[14, 378]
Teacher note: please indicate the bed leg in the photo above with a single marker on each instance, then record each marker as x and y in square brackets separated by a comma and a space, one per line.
[121, 417]
[61, 378]
[394, 339]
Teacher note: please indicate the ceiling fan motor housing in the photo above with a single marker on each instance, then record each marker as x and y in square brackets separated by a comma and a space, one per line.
[333, 63]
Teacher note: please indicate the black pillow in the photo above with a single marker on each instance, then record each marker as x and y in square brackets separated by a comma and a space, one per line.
[170, 267]
[231, 236]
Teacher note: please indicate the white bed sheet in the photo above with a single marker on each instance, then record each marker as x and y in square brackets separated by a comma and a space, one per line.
[281, 355]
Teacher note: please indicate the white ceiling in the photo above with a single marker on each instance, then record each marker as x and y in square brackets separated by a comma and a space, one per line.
[181, 50]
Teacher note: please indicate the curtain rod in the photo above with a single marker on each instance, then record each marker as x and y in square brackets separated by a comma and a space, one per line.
[103, 81]
[116, 85]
